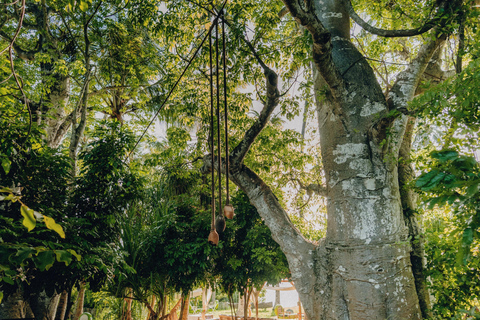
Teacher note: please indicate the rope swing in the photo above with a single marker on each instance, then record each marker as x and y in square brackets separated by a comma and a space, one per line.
[218, 223]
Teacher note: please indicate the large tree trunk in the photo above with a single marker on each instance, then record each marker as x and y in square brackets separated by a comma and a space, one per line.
[362, 269]
[55, 117]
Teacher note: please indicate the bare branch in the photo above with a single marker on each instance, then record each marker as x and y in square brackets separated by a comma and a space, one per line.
[273, 98]
[312, 188]
[390, 33]
[407, 81]
[283, 12]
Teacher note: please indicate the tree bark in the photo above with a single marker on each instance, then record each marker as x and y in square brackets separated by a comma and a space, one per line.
[79, 302]
[13, 306]
[277, 297]
[409, 206]
[62, 306]
[206, 296]
[185, 307]
[44, 305]
[128, 306]
[256, 294]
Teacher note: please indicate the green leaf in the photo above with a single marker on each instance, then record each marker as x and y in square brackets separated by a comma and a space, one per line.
[464, 252]
[29, 218]
[21, 255]
[472, 190]
[425, 178]
[52, 225]
[444, 156]
[63, 256]
[83, 6]
[1, 296]
[434, 182]
[430, 180]
[79, 257]
[9, 197]
[8, 280]
[44, 260]
[6, 164]
[440, 201]
[467, 237]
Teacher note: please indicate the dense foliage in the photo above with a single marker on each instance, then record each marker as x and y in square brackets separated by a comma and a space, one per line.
[83, 199]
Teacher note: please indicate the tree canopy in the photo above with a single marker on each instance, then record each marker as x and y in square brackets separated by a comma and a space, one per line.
[106, 159]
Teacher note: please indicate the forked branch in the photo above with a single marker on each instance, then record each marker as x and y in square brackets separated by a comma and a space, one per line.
[407, 81]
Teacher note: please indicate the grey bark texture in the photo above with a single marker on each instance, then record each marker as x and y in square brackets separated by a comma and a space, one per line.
[14, 306]
[362, 269]
[44, 305]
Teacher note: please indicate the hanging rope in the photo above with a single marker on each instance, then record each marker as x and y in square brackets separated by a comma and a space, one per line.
[220, 221]
[219, 148]
[213, 236]
[227, 158]
[177, 82]
[228, 210]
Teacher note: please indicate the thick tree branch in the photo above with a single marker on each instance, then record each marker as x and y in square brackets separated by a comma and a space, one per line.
[404, 87]
[272, 100]
[407, 81]
[282, 13]
[63, 128]
[390, 33]
[322, 45]
[293, 244]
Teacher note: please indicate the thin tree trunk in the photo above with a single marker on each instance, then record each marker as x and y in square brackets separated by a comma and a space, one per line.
[240, 307]
[62, 306]
[409, 204]
[206, 296]
[80, 301]
[277, 297]
[185, 305]
[246, 307]
[164, 305]
[128, 300]
[43, 304]
[256, 294]
[151, 309]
